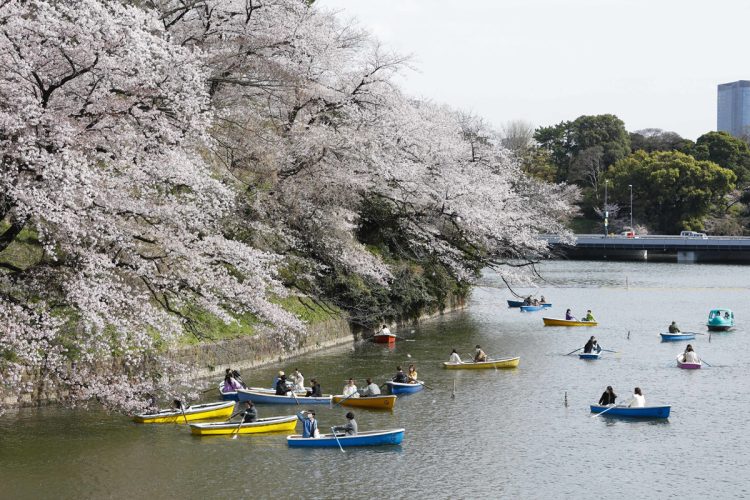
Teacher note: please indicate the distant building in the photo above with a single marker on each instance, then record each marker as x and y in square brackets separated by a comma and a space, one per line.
[733, 108]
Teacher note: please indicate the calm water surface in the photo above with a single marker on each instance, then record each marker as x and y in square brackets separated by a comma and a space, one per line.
[506, 433]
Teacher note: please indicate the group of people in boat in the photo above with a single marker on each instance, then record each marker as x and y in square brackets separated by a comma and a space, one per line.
[233, 381]
[479, 356]
[310, 425]
[592, 346]
[637, 401]
[529, 301]
[589, 316]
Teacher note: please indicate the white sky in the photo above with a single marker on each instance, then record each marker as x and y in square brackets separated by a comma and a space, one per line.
[653, 63]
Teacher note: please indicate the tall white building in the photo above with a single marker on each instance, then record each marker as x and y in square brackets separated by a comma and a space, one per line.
[733, 108]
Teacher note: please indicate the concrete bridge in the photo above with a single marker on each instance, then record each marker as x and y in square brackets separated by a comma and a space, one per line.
[717, 249]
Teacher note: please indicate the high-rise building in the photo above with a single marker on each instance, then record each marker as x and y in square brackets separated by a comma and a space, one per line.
[733, 108]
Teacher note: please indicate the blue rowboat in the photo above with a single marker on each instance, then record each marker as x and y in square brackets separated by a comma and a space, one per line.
[399, 388]
[624, 411]
[368, 438]
[531, 308]
[588, 355]
[670, 337]
[267, 397]
[519, 303]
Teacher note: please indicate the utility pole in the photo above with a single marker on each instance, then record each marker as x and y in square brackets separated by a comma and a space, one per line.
[606, 213]
[631, 208]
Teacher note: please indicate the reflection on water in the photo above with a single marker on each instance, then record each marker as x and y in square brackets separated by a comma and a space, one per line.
[506, 432]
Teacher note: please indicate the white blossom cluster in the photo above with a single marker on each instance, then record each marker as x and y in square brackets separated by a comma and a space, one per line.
[132, 137]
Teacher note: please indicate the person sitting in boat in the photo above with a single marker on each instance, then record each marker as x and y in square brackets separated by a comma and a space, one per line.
[591, 346]
[384, 331]
[527, 301]
[299, 380]
[412, 375]
[455, 357]
[350, 389]
[350, 428]
[309, 424]
[479, 355]
[689, 356]
[281, 386]
[608, 397]
[179, 405]
[638, 400]
[589, 316]
[250, 414]
[569, 316]
[276, 378]
[400, 376]
[370, 390]
[542, 301]
[673, 328]
[535, 302]
[314, 391]
[230, 383]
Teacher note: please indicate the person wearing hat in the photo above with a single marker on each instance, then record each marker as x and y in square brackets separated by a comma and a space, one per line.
[250, 414]
[309, 424]
[479, 355]
[350, 428]
[592, 346]
[276, 378]
[281, 386]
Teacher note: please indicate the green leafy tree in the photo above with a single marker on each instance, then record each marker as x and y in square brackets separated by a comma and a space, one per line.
[656, 139]
[672, 191]
[726, 151]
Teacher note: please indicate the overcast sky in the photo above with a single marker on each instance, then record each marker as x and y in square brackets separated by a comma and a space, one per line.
[653, 63]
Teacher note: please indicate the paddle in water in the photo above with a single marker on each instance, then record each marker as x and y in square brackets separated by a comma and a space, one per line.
[237, 430]
[337, 439]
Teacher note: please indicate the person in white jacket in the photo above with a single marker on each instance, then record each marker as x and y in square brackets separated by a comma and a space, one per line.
[689, 356]
[299, 380]
[638, 400]
[455, 358]
[350, 389]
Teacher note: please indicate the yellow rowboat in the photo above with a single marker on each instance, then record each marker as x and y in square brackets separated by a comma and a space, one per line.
[479, 365]
[565, 322]
[372, 402]
[207, 411]
[271, 424]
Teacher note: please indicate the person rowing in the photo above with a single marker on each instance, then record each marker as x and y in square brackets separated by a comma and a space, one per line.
[315, 391]
[281, 386]
[400, 376]
[479, 355]
[250, 413]
[673, 328]
[569, 316]
[690, 356]
[589, 316]
[350, 428]
[350, 389]
[592, 346]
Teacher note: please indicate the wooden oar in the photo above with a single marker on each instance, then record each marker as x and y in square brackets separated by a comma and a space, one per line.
[608, 350]
[707, 363]
[295, 397]
[350, 395]
[425, 386]
[605, 411]
[236, 432]
[571, 352]
[337, 440]
[182, 409]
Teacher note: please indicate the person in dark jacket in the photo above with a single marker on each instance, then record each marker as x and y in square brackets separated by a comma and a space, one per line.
[250, 414]
[400, 376]
[314, 391]
[673, 328]
[608, 397]
[281, 387]
[592, 346]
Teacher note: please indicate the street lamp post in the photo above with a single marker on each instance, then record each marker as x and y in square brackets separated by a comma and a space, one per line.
[631, 206]
[606, 213]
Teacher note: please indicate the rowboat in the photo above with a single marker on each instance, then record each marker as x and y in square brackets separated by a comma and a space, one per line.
[372, 402]
[687, 366]
[588, 355]
[400, 388]
[671, 337]
[384, 338]
[624, 411]
[720, 320]
[228, 395]
[531, 308]
[222, 409]
[566, 322]
[271, 424]
[479, 365]
[265, 396]
[368, 438]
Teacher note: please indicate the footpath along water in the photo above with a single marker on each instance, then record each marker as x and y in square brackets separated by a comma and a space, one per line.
[507, 433]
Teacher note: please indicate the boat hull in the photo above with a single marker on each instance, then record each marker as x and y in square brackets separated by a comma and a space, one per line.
[643, 412]
[483, 365]
[372, 438]
[371, 402]
[673, 337]
[718, 328]
[565, 322]
[531, 308]
[196, 412]
[384, 339]
[399, 388]
[263, 425]
[687, 366]
[262, 397]
[588, 355]
[519, 303]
